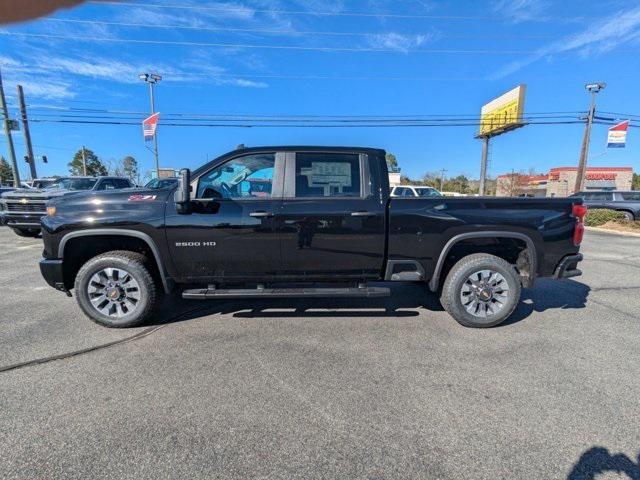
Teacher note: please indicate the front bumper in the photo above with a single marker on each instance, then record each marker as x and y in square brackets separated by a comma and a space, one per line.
[31, 221]
[567, 267]
[53, 273]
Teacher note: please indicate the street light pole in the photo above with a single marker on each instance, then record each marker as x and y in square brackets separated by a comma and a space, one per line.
[7, 132]
[593, 88]
[151, 79]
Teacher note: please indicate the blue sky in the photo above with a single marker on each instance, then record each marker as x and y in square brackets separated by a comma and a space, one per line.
[268, 57]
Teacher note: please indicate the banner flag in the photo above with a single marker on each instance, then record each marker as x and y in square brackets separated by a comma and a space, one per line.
[149, 126]
[617, 137]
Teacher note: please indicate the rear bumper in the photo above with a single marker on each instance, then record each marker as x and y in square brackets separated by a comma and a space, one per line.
[53, 273]
[567, 267]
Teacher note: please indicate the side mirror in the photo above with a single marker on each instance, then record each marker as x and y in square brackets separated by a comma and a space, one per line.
[183, 193]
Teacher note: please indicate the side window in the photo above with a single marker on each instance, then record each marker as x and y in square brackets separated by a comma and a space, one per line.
[327, 175]
[107, 184]
[399, 191]
[408, 192]
[250, 176]
[630, 195]
[121, 183]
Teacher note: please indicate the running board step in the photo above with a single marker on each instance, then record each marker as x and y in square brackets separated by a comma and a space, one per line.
[207, 293]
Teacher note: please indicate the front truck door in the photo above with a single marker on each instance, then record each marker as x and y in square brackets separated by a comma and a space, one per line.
[332, 225]
[230, 234]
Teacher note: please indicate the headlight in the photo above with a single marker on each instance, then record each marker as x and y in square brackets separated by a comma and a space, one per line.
[51, 211]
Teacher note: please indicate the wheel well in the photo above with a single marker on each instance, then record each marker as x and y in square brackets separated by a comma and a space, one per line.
[513, 250]
[625, 211]
[78, 250]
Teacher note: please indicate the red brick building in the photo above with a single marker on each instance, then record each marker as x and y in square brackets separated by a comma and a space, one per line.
[560, 181]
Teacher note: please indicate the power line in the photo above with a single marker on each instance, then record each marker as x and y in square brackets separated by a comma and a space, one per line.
[281, 31]
[318, 13]
[272, 47]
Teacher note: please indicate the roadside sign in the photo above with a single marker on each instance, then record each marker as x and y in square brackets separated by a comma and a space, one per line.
[503, 113]
[14, 126]
[617, 137]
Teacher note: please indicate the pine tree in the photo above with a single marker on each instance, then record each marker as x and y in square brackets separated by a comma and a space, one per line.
[130, 167]
[6, 174]
[94, 166]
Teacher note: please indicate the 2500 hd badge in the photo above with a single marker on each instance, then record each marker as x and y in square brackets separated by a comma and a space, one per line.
[195, 244]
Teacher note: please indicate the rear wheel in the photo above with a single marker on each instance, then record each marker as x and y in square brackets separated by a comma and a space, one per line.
[481, 291]
[26, 232]
[116, 289]
[628, 216]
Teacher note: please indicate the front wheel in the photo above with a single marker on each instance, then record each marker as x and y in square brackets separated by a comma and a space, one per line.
[481, 291]
[116, 289]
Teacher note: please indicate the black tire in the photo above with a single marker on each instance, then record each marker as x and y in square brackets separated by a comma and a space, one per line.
[459, 276]
[26, 232]
[628, 216]
[136, 265]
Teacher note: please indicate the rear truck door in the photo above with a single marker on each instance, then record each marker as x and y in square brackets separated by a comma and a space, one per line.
[331, 224]
[230, 234]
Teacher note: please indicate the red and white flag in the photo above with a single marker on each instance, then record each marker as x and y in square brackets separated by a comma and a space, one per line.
[617, 137]
[149, 126]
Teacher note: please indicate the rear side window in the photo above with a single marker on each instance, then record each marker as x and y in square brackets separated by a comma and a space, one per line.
[630, 195]
[598, 196]
[327, 175]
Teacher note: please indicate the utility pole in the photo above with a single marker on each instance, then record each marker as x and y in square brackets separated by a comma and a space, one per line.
[7, 132]
[593, 88]
[84, 162]
[151, 79]
[442, 178]
[27, 134]
[483, 164]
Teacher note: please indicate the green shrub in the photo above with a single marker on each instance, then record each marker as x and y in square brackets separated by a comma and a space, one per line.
[599, 216]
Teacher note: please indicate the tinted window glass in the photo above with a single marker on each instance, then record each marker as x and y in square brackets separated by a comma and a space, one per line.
[428, 192]
[598, 196]
[408, 192]
[630, 195]
[398, 192]
[250, 176]
[73, 184]
[327, 175]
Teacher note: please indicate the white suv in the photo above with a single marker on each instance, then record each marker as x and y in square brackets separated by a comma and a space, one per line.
[414, 191]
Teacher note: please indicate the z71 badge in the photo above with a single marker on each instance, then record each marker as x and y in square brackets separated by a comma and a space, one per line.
[142, 198]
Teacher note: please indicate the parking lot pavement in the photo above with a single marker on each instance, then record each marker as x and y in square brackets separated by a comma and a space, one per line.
[389, 388]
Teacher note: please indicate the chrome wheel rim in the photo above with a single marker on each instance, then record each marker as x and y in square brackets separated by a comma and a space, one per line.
[114, 292]
[484, 293]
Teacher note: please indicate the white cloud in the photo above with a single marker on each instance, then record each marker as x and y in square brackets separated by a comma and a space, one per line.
[600, 37]
[398, 41]
[520, 10]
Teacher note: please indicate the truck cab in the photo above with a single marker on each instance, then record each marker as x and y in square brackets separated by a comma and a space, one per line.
[279, 221]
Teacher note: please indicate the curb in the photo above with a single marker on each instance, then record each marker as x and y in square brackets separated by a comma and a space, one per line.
[615, 232]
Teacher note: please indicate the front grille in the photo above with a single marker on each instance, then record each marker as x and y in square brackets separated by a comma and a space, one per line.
[36, 207]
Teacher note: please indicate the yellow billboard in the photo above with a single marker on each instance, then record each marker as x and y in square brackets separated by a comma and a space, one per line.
[503, 113]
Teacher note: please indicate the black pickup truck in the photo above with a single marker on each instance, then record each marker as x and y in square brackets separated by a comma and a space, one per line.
[22, 209]
[282, 221]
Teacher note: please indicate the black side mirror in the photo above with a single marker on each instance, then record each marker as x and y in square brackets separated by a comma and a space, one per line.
[183, 193]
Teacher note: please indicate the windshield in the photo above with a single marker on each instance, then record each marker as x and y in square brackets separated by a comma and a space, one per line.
[158, 183]
[428, 192]
[73, 184]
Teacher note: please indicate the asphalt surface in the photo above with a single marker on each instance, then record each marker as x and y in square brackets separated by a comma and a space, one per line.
[389, 388]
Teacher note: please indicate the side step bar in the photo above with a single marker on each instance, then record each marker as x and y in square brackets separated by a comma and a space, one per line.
[209, 293]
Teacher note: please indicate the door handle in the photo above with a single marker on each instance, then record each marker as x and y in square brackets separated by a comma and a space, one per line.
[261, 214]
[362, 214]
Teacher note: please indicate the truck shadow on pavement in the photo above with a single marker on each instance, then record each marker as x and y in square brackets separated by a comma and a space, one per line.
[597, 461]
[550, 295]
[406, 301]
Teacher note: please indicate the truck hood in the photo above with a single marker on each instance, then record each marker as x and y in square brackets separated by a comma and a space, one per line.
[37, 194]
[108, 208]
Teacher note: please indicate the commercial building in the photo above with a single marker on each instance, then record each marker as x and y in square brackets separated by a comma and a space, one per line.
[560, 182]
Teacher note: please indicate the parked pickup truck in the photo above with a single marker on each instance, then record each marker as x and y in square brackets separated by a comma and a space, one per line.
[279, 221]
[22, 209]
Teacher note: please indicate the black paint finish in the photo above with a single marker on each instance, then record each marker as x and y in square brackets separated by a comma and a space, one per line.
[287, 238]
